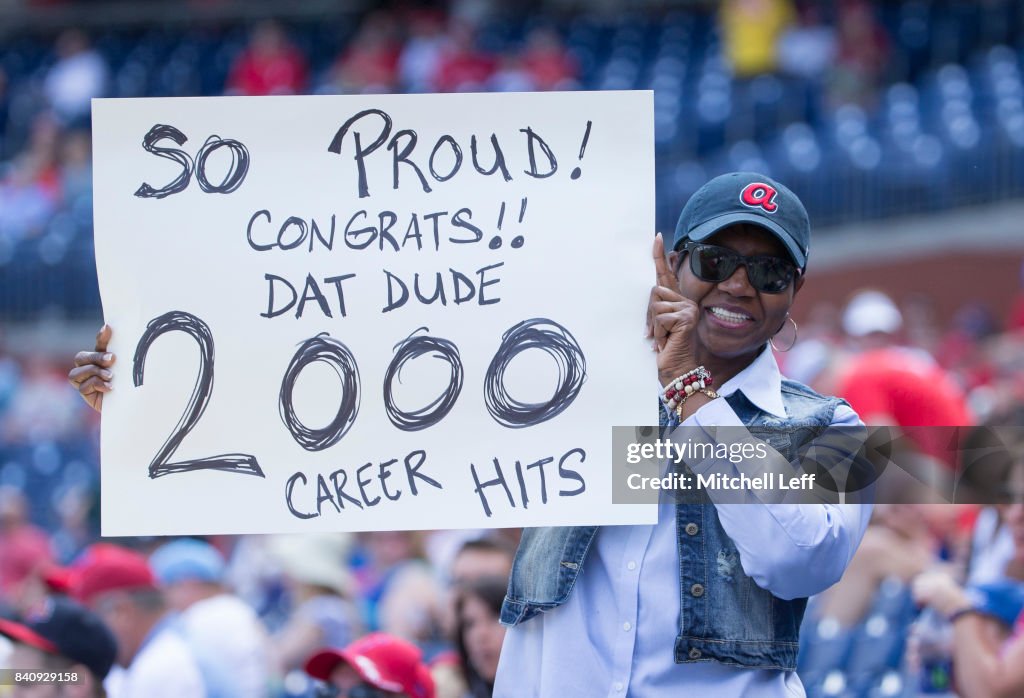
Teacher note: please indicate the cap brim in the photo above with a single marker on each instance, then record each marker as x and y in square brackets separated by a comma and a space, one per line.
[321, 664]
[60, 580]
[27, 636]
[708, 228]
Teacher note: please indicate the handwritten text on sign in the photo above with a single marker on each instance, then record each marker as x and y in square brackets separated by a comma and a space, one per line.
[368, 313]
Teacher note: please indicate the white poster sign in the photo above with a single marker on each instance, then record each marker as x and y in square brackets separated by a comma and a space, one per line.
[372, 313]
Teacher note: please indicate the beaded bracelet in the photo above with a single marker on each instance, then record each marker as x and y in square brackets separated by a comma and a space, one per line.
[677, 392]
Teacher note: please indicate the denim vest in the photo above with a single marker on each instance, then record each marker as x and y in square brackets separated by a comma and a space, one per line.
[724, 615]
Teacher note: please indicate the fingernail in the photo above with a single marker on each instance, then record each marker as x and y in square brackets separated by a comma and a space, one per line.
[106, 375]
[108, 357]
[109, 386]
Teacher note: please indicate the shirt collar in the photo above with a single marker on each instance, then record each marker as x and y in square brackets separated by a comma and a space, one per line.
[760, 382]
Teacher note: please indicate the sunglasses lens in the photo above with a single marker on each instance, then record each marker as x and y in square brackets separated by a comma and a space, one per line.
[716, 264]
[712, 263]
[770, 274]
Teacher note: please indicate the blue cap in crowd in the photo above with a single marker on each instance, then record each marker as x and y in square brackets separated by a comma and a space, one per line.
[1003, 600]
[187, 559]
[746, 197]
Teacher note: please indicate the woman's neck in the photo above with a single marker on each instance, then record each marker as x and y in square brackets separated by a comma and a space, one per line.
[724, 369]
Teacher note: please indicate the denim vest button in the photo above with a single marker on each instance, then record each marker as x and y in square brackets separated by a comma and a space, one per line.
[694, 653]
[691, 529]
[697, 590]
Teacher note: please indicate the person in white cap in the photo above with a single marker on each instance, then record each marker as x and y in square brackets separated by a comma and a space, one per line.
[870, 313]
[225, 634]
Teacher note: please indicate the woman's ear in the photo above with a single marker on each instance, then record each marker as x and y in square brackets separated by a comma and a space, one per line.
[673, 261]
[798, 284]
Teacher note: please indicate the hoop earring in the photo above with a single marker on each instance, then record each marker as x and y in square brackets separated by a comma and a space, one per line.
[796, 333]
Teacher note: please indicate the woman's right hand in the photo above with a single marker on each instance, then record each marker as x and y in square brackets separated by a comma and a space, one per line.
[91, 374]
[671, 320]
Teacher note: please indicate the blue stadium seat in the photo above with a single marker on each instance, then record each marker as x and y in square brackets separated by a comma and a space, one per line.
[878, 646]
[825, 646]
[834, 684]
[890, 684]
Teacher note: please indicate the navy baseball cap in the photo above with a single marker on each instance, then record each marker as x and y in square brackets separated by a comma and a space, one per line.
[746, 197]
[63, 627]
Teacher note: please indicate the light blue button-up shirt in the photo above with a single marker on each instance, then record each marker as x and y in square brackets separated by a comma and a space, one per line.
[615, 634]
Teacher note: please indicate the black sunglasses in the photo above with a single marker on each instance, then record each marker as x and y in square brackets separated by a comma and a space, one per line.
[767, 274]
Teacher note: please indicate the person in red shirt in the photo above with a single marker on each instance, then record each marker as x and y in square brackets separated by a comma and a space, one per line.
[547, 62]
[271, 65]
[370, 62]
[463, 67]
[24, 548]
[887, 384]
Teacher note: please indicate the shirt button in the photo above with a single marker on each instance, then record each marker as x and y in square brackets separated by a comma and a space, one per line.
[627, 626]
[619, 686]
[694, 653]
[631, 566]
[697, 590]
[691, 529]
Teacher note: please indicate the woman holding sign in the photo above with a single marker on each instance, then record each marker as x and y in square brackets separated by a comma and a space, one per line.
[710, 599]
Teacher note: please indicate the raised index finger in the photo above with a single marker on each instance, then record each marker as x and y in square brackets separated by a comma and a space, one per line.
[103, 337]
[664, 274]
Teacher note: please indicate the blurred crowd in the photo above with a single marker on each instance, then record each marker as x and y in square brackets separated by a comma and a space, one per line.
[887, 628]
[428, 54]
[44, 117]
[297, 596]
[408, 613]
[867, 109]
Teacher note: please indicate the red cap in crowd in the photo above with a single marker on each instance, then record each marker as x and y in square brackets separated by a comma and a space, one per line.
[59, 580]
[106, 567]
[383, 661]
